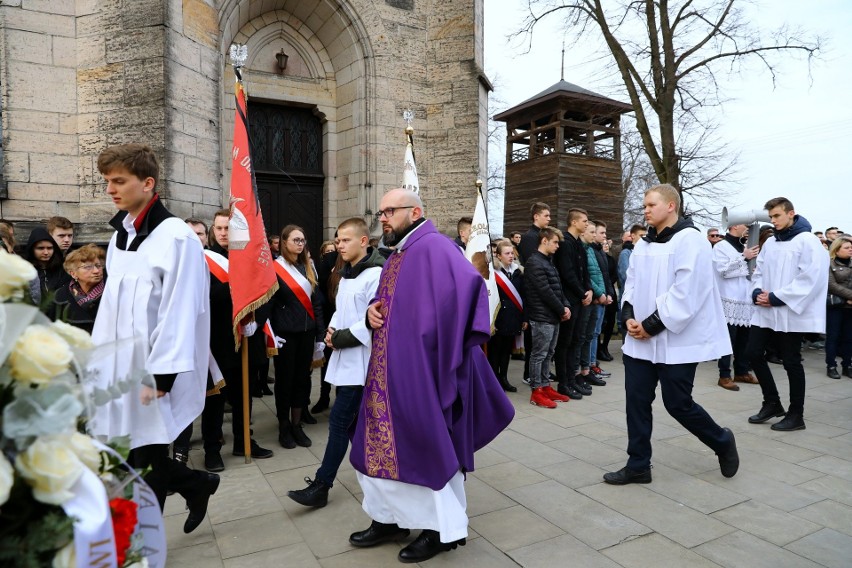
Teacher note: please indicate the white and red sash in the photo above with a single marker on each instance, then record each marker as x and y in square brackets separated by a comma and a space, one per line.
[509, 289]
[297, 283]
[218, 265]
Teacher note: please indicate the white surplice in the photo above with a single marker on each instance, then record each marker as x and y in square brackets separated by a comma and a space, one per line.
[796, 271]
[159, 296]
[734, 286]
[676, 279]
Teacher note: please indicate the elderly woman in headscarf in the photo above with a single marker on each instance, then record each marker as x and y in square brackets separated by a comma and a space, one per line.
[77, 303]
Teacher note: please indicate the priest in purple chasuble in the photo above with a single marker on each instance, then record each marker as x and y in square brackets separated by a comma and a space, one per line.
[430, 399]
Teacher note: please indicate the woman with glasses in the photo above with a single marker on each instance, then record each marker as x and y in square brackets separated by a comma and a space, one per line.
[838, 328]
[77, 303]
[296, 317]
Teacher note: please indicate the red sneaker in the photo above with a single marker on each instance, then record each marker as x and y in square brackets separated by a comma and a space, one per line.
[554, 395]
[538, 398]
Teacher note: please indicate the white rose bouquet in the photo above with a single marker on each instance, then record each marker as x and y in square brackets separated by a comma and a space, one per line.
[60, 490]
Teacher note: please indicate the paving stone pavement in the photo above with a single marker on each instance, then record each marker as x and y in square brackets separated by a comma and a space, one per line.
[537, 499]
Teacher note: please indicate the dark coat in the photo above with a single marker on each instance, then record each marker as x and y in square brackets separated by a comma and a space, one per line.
[66, 308]
[288, 314]
[603, 263]
[51, 277]
[510, 319]
[572, 264]
[529, 243]
[544, 301]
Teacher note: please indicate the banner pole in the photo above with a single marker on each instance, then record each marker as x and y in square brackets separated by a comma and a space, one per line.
[245, 386]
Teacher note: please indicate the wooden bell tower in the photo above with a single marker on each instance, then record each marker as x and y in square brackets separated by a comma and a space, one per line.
[563, 147]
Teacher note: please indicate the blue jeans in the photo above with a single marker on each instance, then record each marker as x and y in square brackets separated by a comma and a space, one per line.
[598, 314]
[640, 384]
[346, 404]
[544, 337]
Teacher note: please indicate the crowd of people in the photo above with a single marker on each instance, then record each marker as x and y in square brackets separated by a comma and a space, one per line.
[401, 329]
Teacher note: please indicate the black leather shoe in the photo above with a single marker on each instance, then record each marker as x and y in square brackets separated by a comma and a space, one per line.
[604, 354]
[377, 534]
[314, 495]
[197, 504]
[729, 460]
[584, 388]
[569, 390]
[300, 437]
[426, 546]
[789, 423]
[266, 390]
[767, 411]
[285, 436]
[320, 406]
[625, 475]
[307, 418]
[507, 386]
[595, 380]
[257, 452]
[831, 373]
[774, 359]
[213, 461]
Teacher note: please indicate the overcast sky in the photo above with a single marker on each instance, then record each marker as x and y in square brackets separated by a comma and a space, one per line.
[793, 139]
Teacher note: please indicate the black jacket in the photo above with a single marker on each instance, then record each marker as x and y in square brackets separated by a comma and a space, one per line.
[572, 264]
[529, 243]
[66, 308]
[510, 319]
[544, 301]
[52, 276]
[288, 314]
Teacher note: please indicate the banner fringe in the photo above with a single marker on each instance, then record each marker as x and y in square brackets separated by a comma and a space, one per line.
[250, 308]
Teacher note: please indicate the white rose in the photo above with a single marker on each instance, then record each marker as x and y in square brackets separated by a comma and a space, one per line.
[83, 446]
[15, 274]
[39, 355]
[51, 468]
[141, 564]
[7, 479]
[66, 557]
[75, 336]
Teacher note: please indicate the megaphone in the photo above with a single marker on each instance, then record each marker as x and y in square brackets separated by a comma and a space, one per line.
[731, 218]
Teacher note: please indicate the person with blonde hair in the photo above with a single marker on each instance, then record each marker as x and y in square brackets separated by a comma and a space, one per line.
[838, 325]
[77, 303]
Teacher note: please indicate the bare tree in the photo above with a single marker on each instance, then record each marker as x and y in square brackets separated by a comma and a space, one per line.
[670, 56]
[495, 180]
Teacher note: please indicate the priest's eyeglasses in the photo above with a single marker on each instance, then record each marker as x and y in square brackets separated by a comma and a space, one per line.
[389, 211]
[88, 267]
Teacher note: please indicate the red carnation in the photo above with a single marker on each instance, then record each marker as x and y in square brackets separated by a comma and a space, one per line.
[123, 525]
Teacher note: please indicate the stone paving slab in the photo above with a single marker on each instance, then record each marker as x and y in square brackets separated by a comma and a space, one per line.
[537, 499]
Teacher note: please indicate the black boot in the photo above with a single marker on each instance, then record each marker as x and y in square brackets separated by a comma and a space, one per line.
[569, 389]
[377, 534]
[285, 435]
[307, 418]
[831, 373]
[507, 386]
[767, 411]
[426, 546]
[321, 405]
[300, 437]
[790, 422]
[314, 495]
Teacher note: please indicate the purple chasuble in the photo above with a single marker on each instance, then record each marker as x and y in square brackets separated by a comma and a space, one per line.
[431, 399]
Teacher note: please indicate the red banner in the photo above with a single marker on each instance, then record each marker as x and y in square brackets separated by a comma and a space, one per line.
[254, 280]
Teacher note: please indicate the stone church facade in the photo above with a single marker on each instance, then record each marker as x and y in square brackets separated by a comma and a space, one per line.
[327, 130]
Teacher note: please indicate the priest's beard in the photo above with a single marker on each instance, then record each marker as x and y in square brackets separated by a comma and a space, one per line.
[393, 237]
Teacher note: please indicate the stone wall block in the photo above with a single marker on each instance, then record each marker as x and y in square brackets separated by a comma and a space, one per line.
[24, 141]
[64, 7]
[142, 13]
[144, 43]
[28, 46]
[65, 52]
[91, 52]
[183, 50]
[174, 167]
[27, 82]
[189, 90]
[183, 143]
[201, 22]
[201, 172]
[151, 135]
[39, 22]
[16, 166]
[96, 87]
[53, 169]
[131, 118]
[92, 144]
[212, 197]
[201, 127]
[144, 82]
[182, 191]
[33, 120]
[24, 195]
[105, 21]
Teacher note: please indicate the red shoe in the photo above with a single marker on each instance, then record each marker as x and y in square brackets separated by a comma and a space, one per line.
[539, 398]
[554, 395]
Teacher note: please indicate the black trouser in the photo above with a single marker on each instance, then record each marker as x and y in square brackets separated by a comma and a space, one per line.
[578, 337]
[325, 388]
[293, 373]
[527, 350]
[234, 393]
[608, 323]
[166, 474]
[562, 356]
[499, 354]
[211, 427]
[640, 384]
[789, 345]
[739, 344]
